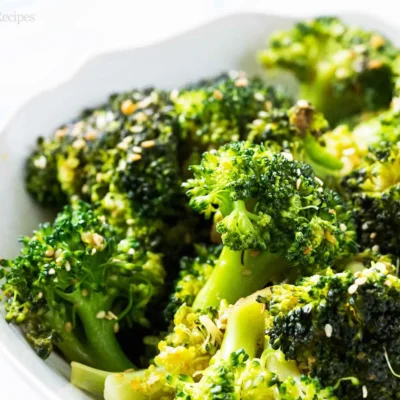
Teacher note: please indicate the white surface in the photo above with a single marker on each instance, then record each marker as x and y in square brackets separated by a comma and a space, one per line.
[38, 55]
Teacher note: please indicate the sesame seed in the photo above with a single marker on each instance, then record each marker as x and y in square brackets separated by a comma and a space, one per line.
[352, 289]
[101, 315]
[137, 149]
[287, 155]
[52, 271]
[85, 188]
[388, 282]
[102, 218]
[131, 251]
[349, 152]
[364, 226]
[99, 177]
[319, 181]
[122, 165]
[91, 135]
[218, 94]
[78, 144]
[241, 82]
[259, 96]
[372, 235]
[40, 162]
[258, 122]
[375, 248]
[343, 227]
[67, 266]
[49, 253]
[128, 107]
[364, 392]
[268, 105]
[130, 221]
[59, 260]
[328, 330]
[303, 103]
[68, 326]
[84, 293]
[55, 280]
[360, 281]
[116, 327]
[136, 129]
[135, 157]
[320, 190]
[112, 315]
[246, 272]
[148, 144]
[307, 308]
[40, 295]
[332, 211]
[58, 253]
[93, 252]
[298, 183]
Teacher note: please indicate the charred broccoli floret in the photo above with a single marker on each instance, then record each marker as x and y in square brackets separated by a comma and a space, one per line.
[342, 69]
[339, 326]
[73, 286]
[275, 214]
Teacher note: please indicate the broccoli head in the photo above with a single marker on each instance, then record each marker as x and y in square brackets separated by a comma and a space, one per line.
[342, 69]
[275, 213]
[374, 189]
[73, 286]
[342, 329]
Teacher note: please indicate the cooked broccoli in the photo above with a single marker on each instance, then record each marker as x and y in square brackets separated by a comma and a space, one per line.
[374, 189]
[192, 277]
[73, 286]
[275, 214]
[298, 131]
[342, 69]
[216, 112]
[340, 326]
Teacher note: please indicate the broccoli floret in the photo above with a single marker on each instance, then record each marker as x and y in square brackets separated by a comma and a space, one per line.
[73, 286]
[298, 131]
[217, 111]
[339, 326]
[342, 69]
[192, 277]
[275, 213]
[374, 189]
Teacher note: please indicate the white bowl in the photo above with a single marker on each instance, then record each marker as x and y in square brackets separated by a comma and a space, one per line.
[230, 42]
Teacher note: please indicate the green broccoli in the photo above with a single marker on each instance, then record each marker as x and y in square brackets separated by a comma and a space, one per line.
[339, 326]
[342, 69]
[298, 131]
[276, 215]
[374, 189]
[192, 277]
[73, 286]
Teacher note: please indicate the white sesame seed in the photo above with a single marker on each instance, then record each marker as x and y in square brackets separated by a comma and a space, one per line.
[137, 149]
[93, 252]
[302, 103]
[328, 330]
[135, 157]
[343, 227]
[78, 144]
[40, 162]
[116, 327]
[68, 326]
[112, 315]
[349, 152]
[67, 266]
[352, 289]
[298, 183]
[320, 190]
[360, 281]
[58, 253]
[122, 165]
[40, 295]
[364, 392]
[307, 308]
[59, 260]
[52, 271]
[364, 226]
[258, 122]
[319, 181]
[148, 144]
[130, 221]
[388, 282]
[49, 253]
[84, 292]
[56, 280]
[131, 251]
[375, 248]
[259, 96]
[136, 129]
[372, 235]
[287, 155]
[101, 315]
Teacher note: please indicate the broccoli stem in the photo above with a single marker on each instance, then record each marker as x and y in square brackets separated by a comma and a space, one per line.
[86, 378]
[102, 349]
[238, 274]
[245, 328]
